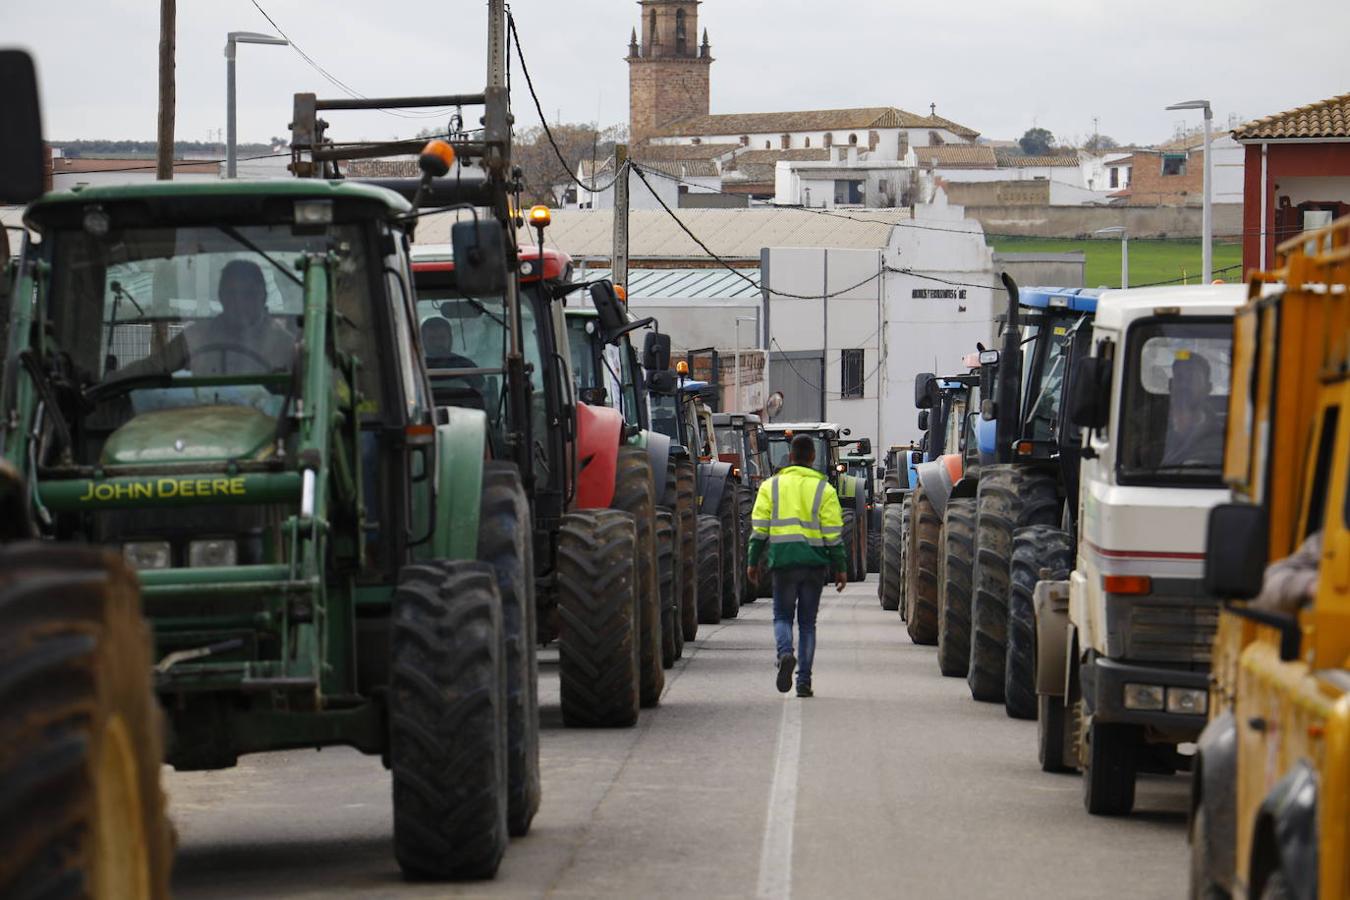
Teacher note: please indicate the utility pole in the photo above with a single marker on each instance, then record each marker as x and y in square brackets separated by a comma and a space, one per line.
[619, 266]
[164, 139]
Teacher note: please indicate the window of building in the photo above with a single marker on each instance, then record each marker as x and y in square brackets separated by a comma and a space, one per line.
[848, 192]
[680, 33]
[853, 140]
[696, 141]
[829, 139]
[786, 141]
[1174, 164]
[745, 140]
[768, 145]
[1115, 178]
[808, 142]
[851, 378]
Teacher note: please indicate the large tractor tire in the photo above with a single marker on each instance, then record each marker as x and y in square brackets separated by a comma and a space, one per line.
[81, 743]
[874, 538]
[849, 536]
[634, 493]
[686, 509]
[921, 585]
[733, 552]
[1110, 766]
[505, 543]
[955, 564]
[448, 721]
[598, 639]
[745, 505]
[709, 570]
[665, 577]
[906, 536]
[1009, 498]
[892, 575]
[1035, 547]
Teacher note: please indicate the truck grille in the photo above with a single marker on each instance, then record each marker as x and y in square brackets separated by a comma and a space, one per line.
[1168, 630]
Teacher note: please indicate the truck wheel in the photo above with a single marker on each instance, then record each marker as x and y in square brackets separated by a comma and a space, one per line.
[732, 552]
[1051, 733]
[745, 504]
[686, 507]
[921, 588]
[505, 543]
[1035, 547]
[1110, 768]
[447, 721]
[709, 570]
[1008, 497]
[634, 494]
[81, 733]
[955, 562]
[598, 618]
[892, 576]
[665, 576]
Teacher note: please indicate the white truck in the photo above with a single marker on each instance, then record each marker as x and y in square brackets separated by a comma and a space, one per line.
[1123, 640]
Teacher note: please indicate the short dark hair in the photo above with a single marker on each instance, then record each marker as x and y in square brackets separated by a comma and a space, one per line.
[803, 449]
[243, 270]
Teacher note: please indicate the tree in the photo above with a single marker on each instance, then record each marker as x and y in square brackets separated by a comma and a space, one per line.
[545, 175]
[1036, 142]
[1100, 142]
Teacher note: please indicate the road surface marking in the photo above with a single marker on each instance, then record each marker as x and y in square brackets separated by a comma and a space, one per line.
[775, 858]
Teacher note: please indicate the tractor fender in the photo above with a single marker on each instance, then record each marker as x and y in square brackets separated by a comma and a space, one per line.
[461, 447]
[658, 451]
[1286, 834]
[1214, 786]
[986, 440]
[713, 478]
[936, 479]
[1051, 599]
[599, 434]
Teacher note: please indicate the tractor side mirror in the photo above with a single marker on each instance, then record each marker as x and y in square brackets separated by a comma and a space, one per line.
[480, 257]
[864, 446]
[1090, 392]
[923, 420]
[925, 390]
[1236, 548]
[656, 352]
[610, 310]
[21, 149]
[661, 382]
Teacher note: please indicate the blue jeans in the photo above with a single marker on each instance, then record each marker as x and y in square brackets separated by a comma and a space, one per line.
[797, 589]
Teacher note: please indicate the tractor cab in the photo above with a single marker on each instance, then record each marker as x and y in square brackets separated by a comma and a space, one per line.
[741, 442]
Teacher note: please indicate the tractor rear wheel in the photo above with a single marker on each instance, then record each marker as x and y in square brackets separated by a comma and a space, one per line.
[634, 494]
[745, 504]
[448, 721]
[1009, 497]
[81, 730]
[709, 570]
[665, 576]
[1035, 547]
[957, 559]
[598, 618]
[921, 586]
[732, 552]
[892, 575]
[687, 511]
[505, 542]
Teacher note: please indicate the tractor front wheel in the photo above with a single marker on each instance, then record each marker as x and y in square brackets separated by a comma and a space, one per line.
[710, 564]
[892, 575]
[686, 509]
[1035, 547]
[81, 730]
[732, 552]
[921, 579]
[665, 576]
[634, 493]
[957, 559]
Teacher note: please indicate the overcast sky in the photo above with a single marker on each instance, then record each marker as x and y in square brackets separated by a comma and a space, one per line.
[996, 66]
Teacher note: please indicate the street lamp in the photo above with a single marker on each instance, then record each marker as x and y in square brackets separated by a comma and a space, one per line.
[740, 400]
[1206, 213]
[237, 37]
[1124, 250]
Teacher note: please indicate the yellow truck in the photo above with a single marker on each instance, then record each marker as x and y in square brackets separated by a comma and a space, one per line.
[1271, 777]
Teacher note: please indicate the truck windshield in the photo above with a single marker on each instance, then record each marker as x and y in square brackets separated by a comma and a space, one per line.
[1175, 402]
[216, 309]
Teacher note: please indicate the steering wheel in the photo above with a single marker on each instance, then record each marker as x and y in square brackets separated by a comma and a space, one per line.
[222, 348]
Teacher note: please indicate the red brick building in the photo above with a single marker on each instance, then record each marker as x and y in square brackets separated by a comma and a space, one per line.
[1297, 175]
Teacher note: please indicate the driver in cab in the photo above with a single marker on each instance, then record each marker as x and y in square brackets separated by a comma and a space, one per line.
[242, 340]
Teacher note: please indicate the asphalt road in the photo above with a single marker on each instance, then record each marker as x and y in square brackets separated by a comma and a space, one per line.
[890, 782]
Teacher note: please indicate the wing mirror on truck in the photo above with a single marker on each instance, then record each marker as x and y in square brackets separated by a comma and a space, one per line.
[1090, 392]
[864, 446]
[480, 256]
[656, 352]
[21, 147]
[923, 420]
[608, 308]
[925, 390]
[1236, 552]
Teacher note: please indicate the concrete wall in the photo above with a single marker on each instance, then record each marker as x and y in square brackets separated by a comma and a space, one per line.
[1081, 221]
[1055, 269]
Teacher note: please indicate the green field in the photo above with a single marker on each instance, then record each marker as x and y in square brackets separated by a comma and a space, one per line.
[1151, 261]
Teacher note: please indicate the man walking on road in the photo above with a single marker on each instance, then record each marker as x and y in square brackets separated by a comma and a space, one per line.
[797, 515]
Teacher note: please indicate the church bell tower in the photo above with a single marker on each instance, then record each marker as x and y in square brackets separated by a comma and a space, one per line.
[668, 70]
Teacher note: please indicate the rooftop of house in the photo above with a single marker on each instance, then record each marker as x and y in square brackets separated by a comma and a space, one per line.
[668, 152]
[809, 120]
[1009, 160]
[1328, 118]
[957, 156]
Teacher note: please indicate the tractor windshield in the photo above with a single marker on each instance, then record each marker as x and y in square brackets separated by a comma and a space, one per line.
[1043, 374]
[665, 411]
[604, 372]
[780, 451]
[1175, 402]
[161, 318]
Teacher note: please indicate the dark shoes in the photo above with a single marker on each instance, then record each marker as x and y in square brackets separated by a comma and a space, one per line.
[786, 664]
[804, 690]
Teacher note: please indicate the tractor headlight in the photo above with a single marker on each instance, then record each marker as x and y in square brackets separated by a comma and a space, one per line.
[1144, 696]
[213, 552]
[1187, 701]
[147, 554]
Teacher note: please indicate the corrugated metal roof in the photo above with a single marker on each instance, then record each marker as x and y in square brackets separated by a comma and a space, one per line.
[684, 284]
